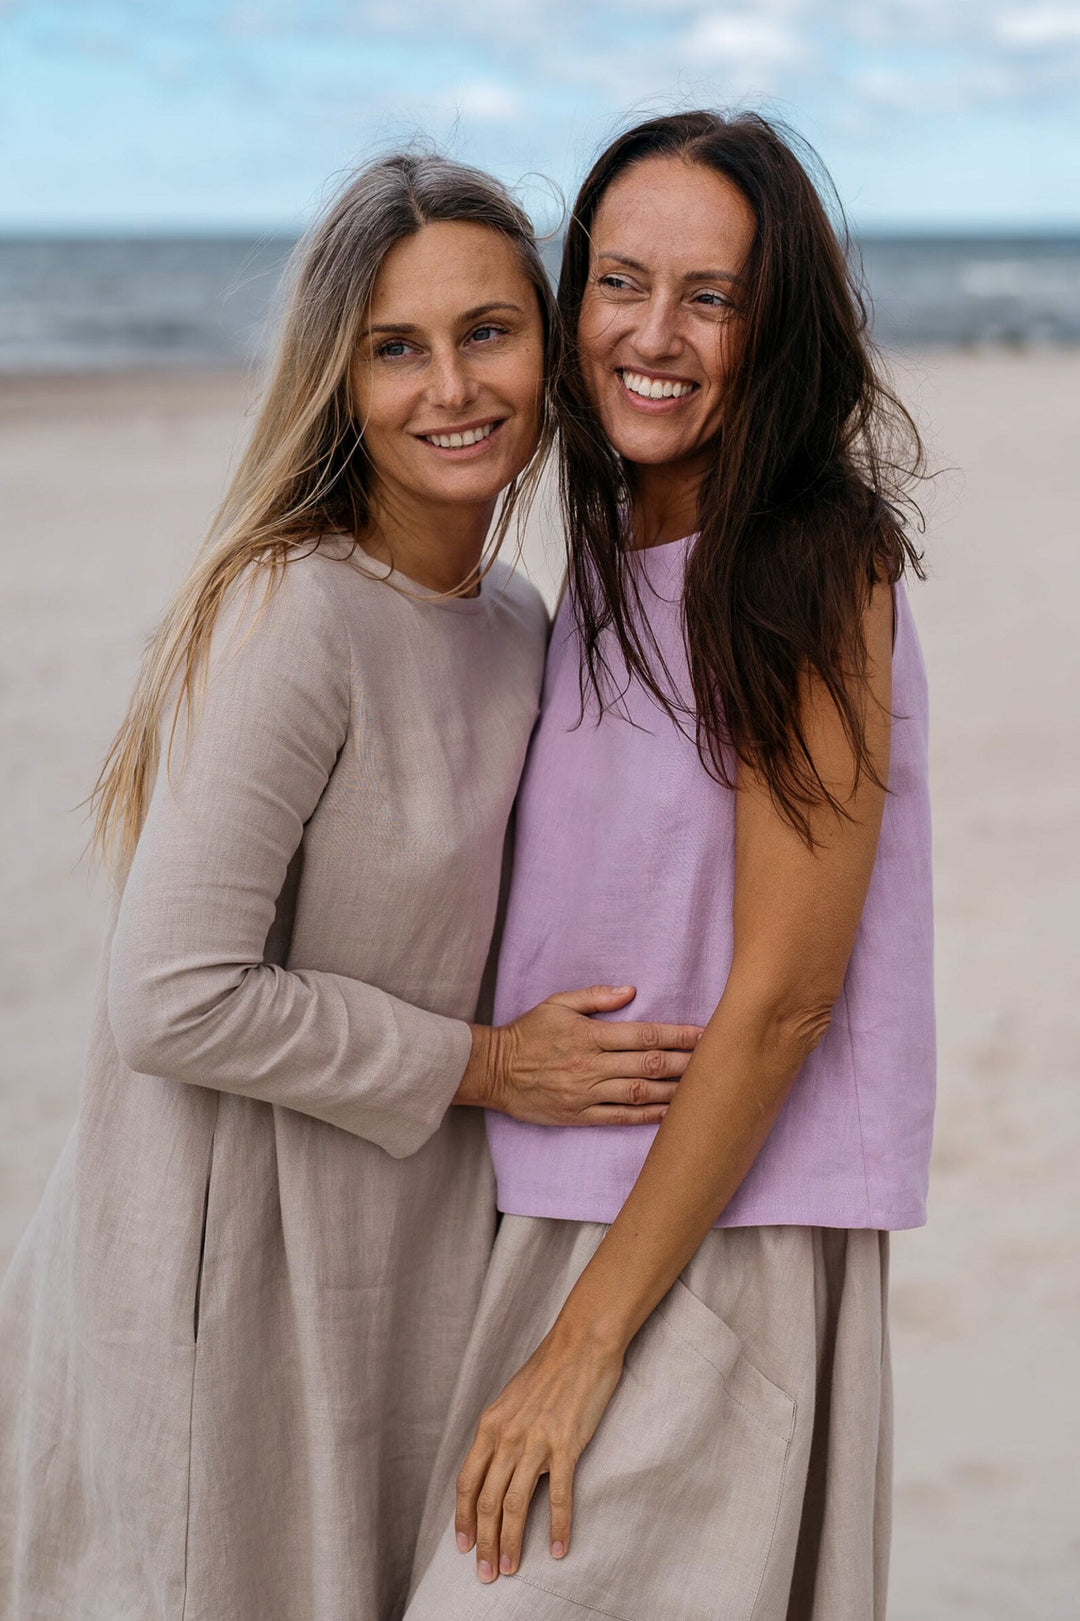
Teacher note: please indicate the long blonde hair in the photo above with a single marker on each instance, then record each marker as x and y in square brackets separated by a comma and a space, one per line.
[304, 473]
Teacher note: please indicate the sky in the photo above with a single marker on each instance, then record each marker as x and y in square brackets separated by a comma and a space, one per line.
[211, 115]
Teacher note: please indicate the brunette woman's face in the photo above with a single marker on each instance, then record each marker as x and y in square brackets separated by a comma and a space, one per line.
[449, 377]
[658, 325]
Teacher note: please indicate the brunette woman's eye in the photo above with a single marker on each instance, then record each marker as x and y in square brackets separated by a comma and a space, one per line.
[617, 284]
[484, 334]
[713, 300]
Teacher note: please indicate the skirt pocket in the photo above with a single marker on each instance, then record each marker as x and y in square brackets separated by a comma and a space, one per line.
[676, 1498]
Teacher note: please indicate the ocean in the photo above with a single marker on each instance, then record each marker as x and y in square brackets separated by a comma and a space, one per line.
[111, 304]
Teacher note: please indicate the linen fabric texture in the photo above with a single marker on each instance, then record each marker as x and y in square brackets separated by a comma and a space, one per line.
[230, 1335]
[742, 1470]
[624, 867]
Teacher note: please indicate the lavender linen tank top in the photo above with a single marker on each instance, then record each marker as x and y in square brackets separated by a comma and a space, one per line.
[624, 874]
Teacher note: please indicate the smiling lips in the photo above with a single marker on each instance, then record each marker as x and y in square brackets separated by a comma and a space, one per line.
[655, 388]
[460, 438]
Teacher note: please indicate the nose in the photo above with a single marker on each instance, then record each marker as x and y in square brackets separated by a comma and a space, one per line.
[656, 334]
[450, 385]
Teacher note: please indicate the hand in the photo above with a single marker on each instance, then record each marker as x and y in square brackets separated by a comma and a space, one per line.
[556, 1066]
[540, 1424]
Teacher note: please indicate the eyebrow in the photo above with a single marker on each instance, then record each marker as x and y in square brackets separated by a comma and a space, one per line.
[469, 315]
[691, 275]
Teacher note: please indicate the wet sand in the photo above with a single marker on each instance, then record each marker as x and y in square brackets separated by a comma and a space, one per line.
[107, 485]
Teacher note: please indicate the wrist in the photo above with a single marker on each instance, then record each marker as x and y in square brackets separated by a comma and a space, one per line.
[483, 1084]
[586, 1329]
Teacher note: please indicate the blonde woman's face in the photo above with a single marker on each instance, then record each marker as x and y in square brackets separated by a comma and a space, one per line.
[449, 377]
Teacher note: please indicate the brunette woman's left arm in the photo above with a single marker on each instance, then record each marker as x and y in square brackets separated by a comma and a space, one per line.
[796, 913]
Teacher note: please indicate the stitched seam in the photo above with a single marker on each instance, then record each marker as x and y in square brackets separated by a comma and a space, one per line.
[776, 1520]
[594, 1609]
[729, 1393]
[858, 1101]
[338, 610]
[194, 1371]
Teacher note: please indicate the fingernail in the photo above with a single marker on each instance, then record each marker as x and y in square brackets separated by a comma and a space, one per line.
[504, 1564]
[485, 1572]
[623, 990]
[462, 1542]
[557, 1550]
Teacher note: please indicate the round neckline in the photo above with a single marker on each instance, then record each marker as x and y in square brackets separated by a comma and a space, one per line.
[664, 545]
[413, 591]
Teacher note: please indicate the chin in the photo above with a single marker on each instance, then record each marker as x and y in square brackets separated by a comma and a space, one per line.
[647, 450]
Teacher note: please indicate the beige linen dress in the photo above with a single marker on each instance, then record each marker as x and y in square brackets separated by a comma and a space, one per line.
[229, 1338]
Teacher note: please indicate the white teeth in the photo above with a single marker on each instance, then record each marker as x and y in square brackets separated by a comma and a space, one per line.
[457, 441]
[654, 388]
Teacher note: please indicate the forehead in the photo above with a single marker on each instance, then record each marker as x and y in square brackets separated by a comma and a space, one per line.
[448, 266]
[664, 210]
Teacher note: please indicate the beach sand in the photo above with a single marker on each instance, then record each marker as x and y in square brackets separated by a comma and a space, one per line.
[108, 484]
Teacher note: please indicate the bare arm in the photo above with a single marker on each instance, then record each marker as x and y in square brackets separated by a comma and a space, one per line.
[796, 914]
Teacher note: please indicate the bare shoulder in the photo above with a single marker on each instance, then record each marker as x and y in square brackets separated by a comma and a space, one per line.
[879, 624]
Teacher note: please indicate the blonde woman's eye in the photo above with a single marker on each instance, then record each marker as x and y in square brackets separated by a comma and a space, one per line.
[393, 349]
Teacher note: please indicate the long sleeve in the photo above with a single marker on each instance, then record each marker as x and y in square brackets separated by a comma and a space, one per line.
[190, 996]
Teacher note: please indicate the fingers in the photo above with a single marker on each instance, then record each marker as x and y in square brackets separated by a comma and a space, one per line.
[561, 1495]
[637, 1094]
[595, 998]
[469, 1481]
[515, 1508]
[657, 1064]
[489, 1515]
[618, 1114]
[636, 1037]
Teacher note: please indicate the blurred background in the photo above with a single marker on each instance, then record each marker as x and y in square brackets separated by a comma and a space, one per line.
[155, 165]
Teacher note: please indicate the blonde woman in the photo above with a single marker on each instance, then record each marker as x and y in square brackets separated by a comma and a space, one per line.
[229, 1338]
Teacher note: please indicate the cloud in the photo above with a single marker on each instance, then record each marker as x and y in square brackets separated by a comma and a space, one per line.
[484, 100]
[723, 37]
[1039, 27]
[281, 89]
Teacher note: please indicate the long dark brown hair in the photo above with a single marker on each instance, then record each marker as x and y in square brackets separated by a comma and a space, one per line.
[803, 507]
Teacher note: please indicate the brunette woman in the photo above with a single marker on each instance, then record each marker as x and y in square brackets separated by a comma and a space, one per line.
[230, 1336]
[742, 808]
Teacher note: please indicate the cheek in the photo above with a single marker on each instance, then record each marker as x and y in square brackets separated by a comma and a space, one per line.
[521, 382]
[723, 356]
[598, 332]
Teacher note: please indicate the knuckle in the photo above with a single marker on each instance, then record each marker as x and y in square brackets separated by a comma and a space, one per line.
[650, 1035]
[637, 1093]
[653, 1063]
[514, 1502]
[487, 1503]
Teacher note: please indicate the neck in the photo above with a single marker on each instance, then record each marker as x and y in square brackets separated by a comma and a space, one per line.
[438, 546]
[665, 501]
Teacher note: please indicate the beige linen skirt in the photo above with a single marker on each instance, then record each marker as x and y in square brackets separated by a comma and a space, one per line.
[742, 1470]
